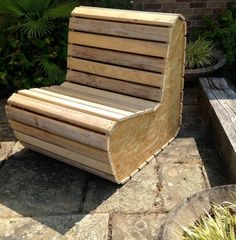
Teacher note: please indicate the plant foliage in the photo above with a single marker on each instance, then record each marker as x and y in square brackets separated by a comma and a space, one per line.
[218, 224]
[223, 31]
[199, 53]
[33, 41]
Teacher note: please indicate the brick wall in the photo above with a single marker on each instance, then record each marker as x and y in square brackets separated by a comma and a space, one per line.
[193, 10]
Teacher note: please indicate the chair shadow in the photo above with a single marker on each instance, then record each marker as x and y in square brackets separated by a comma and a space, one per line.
[33, 185]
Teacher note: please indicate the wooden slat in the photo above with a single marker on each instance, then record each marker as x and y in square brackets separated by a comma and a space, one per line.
[59, 128]
[152, 18]
[121, 73]
[68, 144]
[123, 99]
[93, 98]
[136, 90]
[81, 101]
[69, 161]
[118, 58]
[86, 161]
[59, 100]
[144, 47]
[61, 113]
[119, 29]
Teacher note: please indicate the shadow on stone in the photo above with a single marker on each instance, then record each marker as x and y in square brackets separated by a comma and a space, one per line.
[36, 186]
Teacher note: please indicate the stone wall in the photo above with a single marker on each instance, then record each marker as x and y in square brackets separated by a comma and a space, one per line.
[193, 10]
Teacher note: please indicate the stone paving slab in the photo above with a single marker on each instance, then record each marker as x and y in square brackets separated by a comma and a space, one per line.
[136, 227]
[34, 185]
[179, 181]
[139, 195]
[68, 227]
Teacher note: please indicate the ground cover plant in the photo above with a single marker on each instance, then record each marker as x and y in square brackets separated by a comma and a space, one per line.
[217, 224]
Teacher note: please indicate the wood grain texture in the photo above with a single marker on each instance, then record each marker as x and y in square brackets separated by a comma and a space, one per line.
[57, 127]
[75, 157]
[136, 140]
[68, 144]
[140, 17]
[221, 110]
[61, 113]
[115, 85]
[149, 48]
[125, 74]
[136, 103]
[70, 103]
[119, 29]
[125, 59]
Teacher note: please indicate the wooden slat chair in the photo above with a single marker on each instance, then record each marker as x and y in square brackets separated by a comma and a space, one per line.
[121, 102]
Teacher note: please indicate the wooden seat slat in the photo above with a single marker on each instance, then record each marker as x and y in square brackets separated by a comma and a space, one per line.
[125, 74]
[61, 113]
[115, 85]
[76, 157]
[119, 29]
[144, 47]
[115, 97]
[131, 60]
[93, 98]
[62, 129]
[61, 101]
[74, 146]
[150, 18]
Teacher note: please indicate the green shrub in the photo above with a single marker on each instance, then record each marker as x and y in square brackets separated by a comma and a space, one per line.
[223, 31]
[33, 42]
[199, 53]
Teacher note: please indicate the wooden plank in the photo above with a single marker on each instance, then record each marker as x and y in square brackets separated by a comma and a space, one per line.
[143, 47]
[132, 89]
[71, 104]
[59, 128]
[68, 144]
[70, 162]
[140, 17]
[219, 101]
[131, 60]
[121, 73]
[93, 98]
[76, 157]
[123, 99]
[62, 114]
[119, 29]
[81, 101]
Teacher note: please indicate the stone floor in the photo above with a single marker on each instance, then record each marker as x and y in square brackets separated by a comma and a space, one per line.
[44, 199]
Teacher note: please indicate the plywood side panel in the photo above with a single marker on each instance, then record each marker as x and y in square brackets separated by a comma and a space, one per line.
[121, 73]
[119, 29]
[114, 85]
[59, 128]
[139, 138]
[140, 17]
[149, 48]
[130, 60]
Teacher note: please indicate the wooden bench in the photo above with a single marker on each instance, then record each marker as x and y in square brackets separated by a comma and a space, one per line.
[121, 102]
[219, 102]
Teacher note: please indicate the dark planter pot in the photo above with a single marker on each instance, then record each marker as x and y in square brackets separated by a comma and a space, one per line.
[189, 211]
[195, 74]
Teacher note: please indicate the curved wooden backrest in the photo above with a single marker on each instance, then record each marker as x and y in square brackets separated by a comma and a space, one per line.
[119, 50]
